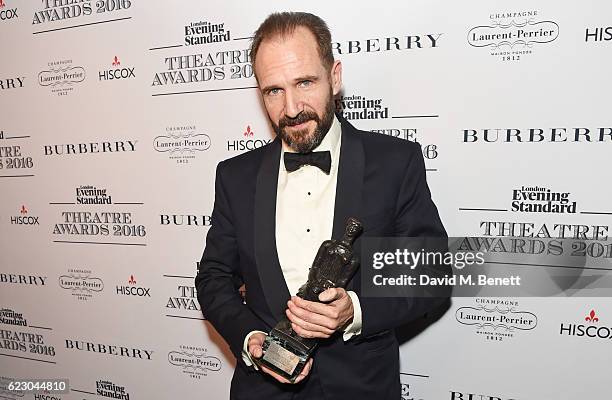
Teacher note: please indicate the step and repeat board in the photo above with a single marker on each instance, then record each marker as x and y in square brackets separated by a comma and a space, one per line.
[115, 113]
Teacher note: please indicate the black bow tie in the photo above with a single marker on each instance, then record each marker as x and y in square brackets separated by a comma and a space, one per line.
[320, 159]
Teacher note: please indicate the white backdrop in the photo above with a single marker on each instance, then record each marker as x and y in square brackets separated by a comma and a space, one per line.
[112, 303]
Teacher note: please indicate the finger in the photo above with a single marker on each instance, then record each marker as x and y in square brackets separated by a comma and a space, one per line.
[255, 350]
[274, 374]
[309, 326]
[316, 313]
[331, 294]
[305, 371]
[308, 334]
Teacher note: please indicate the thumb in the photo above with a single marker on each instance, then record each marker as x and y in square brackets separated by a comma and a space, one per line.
[330, 294]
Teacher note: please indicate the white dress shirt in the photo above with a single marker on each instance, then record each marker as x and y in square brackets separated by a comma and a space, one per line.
[304, 219]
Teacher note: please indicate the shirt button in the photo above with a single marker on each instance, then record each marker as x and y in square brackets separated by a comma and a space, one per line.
[308, 193]
[308, 230]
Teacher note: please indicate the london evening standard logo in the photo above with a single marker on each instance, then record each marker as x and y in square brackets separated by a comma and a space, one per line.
[61, 77]
[10, 317]
[60, 10]
[206, 32]
[18, 336]
[132, 289]
[512, 35]
[194, 361]
[107, 388]
[99, 223]
[7, 13]
[116, 71]
[5, 392]
[182, 144]
[356, 107]
[537, 199]
[591, 328]
[496, 319]
[81, 283]
[25, 217]
[249, 141]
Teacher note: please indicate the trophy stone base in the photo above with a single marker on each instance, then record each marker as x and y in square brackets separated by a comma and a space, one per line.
[285, 352]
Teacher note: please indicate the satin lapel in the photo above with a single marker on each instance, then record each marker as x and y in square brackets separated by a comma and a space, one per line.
[350, 179]
[269, 269]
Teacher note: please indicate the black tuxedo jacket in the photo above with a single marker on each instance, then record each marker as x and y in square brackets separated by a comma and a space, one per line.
[381, 181]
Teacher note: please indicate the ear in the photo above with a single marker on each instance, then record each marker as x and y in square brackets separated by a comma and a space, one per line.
[336, 77]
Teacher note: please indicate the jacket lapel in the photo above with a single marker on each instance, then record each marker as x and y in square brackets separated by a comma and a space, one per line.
[269, 269]
[350, 179]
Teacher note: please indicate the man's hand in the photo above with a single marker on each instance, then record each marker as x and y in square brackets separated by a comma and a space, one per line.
[255, 349]
[310, 319]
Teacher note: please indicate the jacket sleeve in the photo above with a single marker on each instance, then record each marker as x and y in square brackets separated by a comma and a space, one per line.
[218, 273]
[415, 215]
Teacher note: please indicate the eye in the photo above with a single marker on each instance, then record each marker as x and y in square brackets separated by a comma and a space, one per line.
[273, 91]
[305, 83]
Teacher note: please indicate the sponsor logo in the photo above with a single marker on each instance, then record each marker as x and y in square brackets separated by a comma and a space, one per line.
[195, 362]
[81, 284]
[132, 290]
[538, 199]
[249, 141]
[109, 349]
[182, 144]
[117, 72]
[511, 36]
[61, 77]
[591, 329]
[205, 32]
[24, 218]
[496, 319]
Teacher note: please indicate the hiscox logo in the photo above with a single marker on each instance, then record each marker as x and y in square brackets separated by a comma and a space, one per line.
[510, 36]
[205, 32]
[24, 218]
[182, 143]
[194, 362]
[249, 141]
[116, 72]
[590, 329]
[132, 290]
[7, 13]
[536, 199]
[599, 34]
[61, 77]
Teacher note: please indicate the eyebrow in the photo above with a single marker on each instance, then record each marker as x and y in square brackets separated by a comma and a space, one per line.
[296, 80]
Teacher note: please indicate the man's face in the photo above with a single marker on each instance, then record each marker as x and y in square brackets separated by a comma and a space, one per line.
[298, 91]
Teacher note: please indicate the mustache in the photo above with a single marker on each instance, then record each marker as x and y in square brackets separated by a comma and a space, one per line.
[302, 117]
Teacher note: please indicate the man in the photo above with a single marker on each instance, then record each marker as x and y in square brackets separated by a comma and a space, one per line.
[272, 212]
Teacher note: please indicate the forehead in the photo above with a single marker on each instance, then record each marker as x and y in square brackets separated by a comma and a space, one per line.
[288, 56]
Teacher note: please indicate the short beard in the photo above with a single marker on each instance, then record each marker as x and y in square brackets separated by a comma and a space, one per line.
[300, 141]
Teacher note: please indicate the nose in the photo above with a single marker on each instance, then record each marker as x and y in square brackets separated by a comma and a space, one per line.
[293, 104]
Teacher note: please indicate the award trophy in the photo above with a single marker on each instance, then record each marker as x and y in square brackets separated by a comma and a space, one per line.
[285, 352]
